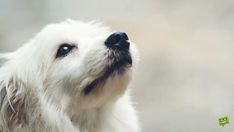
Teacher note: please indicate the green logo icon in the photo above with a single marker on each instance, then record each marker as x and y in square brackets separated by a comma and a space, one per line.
[223, 121]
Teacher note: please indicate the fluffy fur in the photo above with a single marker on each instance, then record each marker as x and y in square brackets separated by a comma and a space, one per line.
[42, 93]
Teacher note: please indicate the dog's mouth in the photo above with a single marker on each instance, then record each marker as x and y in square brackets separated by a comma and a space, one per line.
[117, 63]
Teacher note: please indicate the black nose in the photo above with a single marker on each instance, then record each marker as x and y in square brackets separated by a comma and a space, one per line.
[118, 40]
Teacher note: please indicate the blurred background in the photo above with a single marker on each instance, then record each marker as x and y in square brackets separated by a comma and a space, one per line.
[184, 81]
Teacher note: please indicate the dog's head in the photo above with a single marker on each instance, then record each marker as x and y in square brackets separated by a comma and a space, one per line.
[75, 64]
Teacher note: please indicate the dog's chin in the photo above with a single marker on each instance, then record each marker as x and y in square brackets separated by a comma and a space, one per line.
[115, 67]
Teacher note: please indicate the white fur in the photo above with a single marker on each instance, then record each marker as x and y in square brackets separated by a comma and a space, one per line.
[44, 93]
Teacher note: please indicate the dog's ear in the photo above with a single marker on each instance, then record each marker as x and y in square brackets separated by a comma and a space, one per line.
[12, 94]
[3, 91]
[3, 60]
[12, 104]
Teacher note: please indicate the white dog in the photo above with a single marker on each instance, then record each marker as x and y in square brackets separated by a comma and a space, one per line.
[72, 77]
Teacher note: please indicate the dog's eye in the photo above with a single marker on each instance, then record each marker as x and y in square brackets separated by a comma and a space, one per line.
[64, 49]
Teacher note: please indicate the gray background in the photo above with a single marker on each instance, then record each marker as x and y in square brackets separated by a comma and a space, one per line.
[184, 81]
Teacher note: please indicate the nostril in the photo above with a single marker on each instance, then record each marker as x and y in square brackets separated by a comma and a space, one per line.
[117, 39]
[124, 36]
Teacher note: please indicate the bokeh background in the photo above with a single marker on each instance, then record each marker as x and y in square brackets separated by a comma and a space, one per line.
[185, 79]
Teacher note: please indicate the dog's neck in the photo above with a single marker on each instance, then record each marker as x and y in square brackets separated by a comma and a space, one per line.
[93, 119]
[88, 119]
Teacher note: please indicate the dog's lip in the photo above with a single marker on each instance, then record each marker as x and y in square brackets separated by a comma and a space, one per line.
[118, 67]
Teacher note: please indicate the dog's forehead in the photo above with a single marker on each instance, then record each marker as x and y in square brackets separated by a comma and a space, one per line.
[71, 32]
[75, 28]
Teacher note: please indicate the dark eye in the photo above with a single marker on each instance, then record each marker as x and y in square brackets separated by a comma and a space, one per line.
[64, 49]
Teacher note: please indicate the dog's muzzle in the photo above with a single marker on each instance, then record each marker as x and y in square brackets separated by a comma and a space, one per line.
[118, 60]
[118, 45]
[118, 41]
